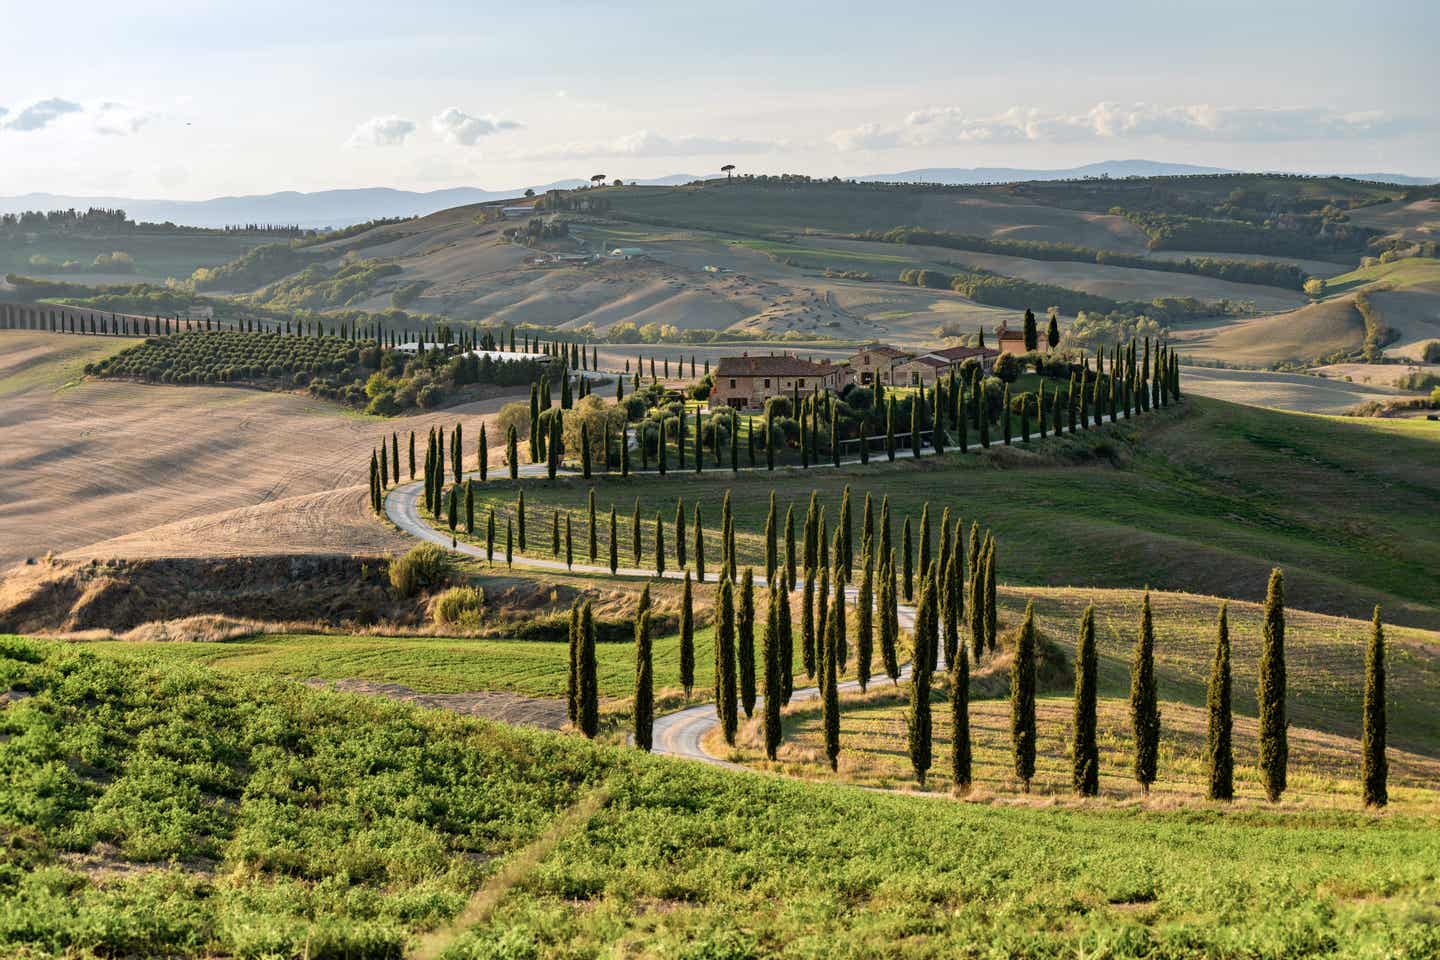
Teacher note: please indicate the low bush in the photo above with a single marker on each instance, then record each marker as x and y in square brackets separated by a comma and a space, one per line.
[423, 567]
[458, 607]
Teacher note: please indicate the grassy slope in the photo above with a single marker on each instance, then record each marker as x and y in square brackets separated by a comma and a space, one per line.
[156, 257]
[1205, 499]
[280, 820]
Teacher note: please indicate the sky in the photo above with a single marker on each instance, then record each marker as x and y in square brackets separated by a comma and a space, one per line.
[153, 98]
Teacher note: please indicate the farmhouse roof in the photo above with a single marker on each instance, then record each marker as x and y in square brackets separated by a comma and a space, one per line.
[1010, 334]
[781, 366]
[958, 354]
[884, 350]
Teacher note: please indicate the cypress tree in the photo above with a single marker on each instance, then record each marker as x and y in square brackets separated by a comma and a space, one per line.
[977, 595]
[917, 406]
[774, 686]
[1085, 753]
[951, 604]
[554, 533]
[1022, 699]
[790, 547]
[906, 555]
[918, 724]
[924, 545]
[680, 531]
[469, 509]
[614, 542]
[520, 518]
[1144, 705]
[589, 691]
[725, 660]
[509, 541]
[687, 636]
[890, 429]
[822, 615]
[811, 550]
[573, 687]
[512, 455]
[490, 537]
[1270, 691]
[787, 645]
[842, 641]
[1374, 769]
[594, 532]
[807, 623]
[746, 640]
[699, 546]
[889, 632]
[990, 607]
[569, 546]
[644, 683]
[771, 542]
[384, 467]
[412, 454]
[830, 707]
[845, 557]
[625, 449]
[1219, 756]
[482, 455]
[864, 620]
[637, 545]
[960, 754]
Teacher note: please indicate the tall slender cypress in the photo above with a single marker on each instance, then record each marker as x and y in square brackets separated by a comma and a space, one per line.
[787, 644]
[1022, 699]
[745, 637]
[889, 619]
[771, 542]
[589, 692]
[1374, 769]
[918, 722]
[725, 660]
[482, 455]
[774, 685]
[1085, 752]
[830, 705]
[845, 558]
[907, 554]
[1219, 756]
[991, 609]
[1144, 703]
[864, 620]
[680, 531]
[573, 685]
[644, 683]
[687, 636]
[1270, 691]
[699, 546]
[659, 545]
[790, 547]
[960, 751]
[807, 624]
[614, 542]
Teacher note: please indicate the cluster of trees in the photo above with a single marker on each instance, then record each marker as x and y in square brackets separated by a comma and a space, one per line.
[110, 221]
[319, 287]
[255, 268]
[228, 356]
[1272, 273]
[1002, 291]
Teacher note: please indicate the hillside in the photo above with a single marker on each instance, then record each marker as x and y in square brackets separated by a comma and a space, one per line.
[190, 816]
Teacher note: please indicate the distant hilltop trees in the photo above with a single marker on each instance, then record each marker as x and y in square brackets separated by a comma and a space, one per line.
[105, 221]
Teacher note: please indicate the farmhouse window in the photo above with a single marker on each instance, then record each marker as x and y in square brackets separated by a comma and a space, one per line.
[732, 383]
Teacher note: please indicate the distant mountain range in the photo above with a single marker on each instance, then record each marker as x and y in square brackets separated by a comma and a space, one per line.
[338, 208]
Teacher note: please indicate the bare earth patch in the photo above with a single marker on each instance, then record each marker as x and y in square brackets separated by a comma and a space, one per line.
[491, 704]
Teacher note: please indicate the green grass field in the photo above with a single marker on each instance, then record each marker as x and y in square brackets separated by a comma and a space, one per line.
[1399, 274]
[1204, 499]
[158, 808]
[157, 257]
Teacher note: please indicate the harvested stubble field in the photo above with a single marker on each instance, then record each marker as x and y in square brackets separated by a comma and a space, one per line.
[180, 470]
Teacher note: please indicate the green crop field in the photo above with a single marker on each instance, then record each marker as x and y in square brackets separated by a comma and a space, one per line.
[157, 808]
[157, 257]
[1203, 498]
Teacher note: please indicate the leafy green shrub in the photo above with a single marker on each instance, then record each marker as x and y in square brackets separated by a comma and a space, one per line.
[458, 607]
[424, 566]
[1432, 352]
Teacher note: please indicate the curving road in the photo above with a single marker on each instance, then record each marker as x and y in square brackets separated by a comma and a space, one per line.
[677, 734]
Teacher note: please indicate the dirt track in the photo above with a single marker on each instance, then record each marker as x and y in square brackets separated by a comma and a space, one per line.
[182, 471]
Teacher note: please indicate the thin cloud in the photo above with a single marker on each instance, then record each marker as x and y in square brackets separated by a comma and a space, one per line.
[40, 114]
[647, 143]
[120, 119]
[458, 127]
[948, 126]
[388, 131]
